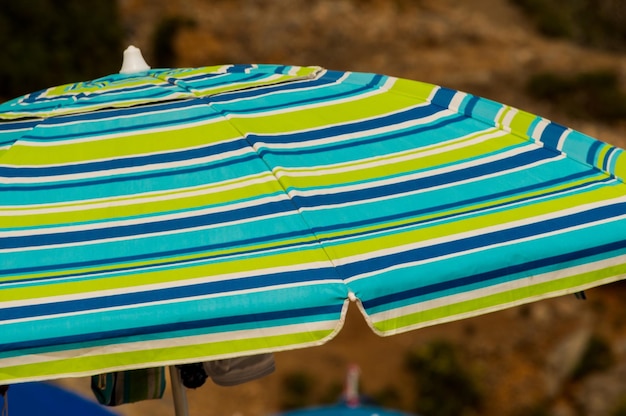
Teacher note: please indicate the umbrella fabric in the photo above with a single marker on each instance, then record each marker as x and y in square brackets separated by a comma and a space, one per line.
[182, 215]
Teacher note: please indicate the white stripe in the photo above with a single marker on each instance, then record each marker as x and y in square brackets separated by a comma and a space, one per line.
[503, 288]
[67, 111]
[360, 134]
[562, 139]
[482, 231]
[134, 155]
[104, 274]
[539, 128]
[169, 284]
[422, 191]
[273, 93]
[48, 143]
[172, 343]
[143, 235]
[114, 88]
[171, 301]
[135, 199]
[98, 137]
[16, 129]
[381, 90]
[456, 101]
[406, 228]
[429, 173]
[126, 171]
[383, 160]
[294, 70]
[241, 85]
[610, 161]
[508, 118]
[144, 220]
[114, 116]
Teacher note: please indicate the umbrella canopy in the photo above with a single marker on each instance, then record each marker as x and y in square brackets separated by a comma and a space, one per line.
[178, 215]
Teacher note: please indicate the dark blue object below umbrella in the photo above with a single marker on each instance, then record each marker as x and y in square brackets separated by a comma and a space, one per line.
[36, 399]
[344, 410]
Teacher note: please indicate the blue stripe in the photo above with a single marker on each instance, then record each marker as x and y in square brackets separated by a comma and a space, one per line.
[399, 188]
[70, 101]
[360, 126]
[218, 81]
[265, 89]
[443, 208]
[32, 172]
[18, 124]
[351, 145]
[128, 178]
[153, 255]
[482, 240]
[509, 270]
[551, 134]
[135, 298]
[252, 106]
[443, 97]
[264, 319]
[145, 111]
[161, 122]
[469, 107]
[145, 228]
[591, 153]
[357, 224]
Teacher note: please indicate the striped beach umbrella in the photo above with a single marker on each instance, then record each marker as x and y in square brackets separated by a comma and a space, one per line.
[168, 216]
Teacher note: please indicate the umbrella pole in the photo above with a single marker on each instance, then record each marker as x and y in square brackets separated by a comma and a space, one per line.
[178, 391]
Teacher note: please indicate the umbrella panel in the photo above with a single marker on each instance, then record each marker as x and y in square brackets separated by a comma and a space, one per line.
[185, 215]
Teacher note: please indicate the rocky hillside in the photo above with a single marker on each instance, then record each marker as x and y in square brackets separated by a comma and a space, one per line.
[524, 360]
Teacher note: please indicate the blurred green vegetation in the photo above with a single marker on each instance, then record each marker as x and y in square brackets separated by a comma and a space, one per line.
[163, 46]
[388, 397]
[591, 95]
[597, 357]
[538, 409]
[445, 385]
[297, 388]
[620, 408]
[52, 42]
[596, 23]
[300, 389]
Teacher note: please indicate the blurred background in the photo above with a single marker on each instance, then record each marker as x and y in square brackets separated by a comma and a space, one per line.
[564, 60]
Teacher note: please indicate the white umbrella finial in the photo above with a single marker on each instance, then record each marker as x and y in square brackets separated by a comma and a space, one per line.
[133, 61]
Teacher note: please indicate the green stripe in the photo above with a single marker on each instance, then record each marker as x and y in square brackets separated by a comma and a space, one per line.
[387, 167]
[100, 363]
[123, 146]
[251, 263]
[138, 205]
[497, 301]
[477, 221]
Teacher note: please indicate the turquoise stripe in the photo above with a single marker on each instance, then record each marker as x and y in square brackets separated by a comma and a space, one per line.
[277, 323]
[497, 258]
[152, 180]
[484, 110]
[279, 122]
[389, 143]
[274, 231]
[176, 314]
[439, 203]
